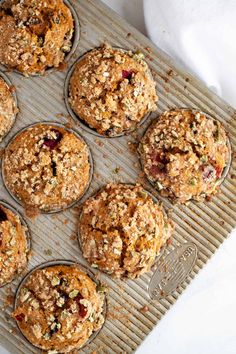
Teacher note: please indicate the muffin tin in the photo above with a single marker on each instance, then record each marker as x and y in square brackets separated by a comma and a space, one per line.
[131, 313]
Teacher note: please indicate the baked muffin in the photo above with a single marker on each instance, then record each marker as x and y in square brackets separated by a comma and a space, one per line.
[34, 35]
[121, 230]
[8, 108]
[58, 308]
[47, 167]
[14, 245]
[112, 90]
[184, 153]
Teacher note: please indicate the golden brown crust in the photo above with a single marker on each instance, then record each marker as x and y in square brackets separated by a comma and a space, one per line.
[121, 230]
[13, 246]
[34, 35]
[8, 108]
[58, 308]
[112, 90]
[184, 153]
[47, 167]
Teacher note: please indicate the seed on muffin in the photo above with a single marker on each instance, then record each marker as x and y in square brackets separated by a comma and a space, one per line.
[112, 90]
[121, 230]
[34, 35]
[47, 167]
[184, 154]
[14, 246]
[50, 317]
[8, 108]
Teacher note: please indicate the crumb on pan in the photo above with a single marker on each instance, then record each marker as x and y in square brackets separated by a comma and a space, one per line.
[112, 90]
[121, 230]
[184, 154]
[47, 167]
[58, 308]
[34, 35]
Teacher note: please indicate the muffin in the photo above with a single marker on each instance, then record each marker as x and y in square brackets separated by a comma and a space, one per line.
[112, 90]
[8, 108]
[34, 35]
[121, 230]
[184, 154]
[58, 308]
[47, 167]
[14, 245]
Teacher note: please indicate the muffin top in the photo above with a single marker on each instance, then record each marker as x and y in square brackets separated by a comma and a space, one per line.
[34, 35]
[47, 167]
[121, 230]
[13, 246]
[8, 108]
[184, 154]
[58, 308]
[112, 90]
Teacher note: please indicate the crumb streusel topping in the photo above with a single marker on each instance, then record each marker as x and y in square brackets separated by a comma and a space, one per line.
[47, 167]
[13, 246]
[122, 230]
[58, 308]
[8, 108]
[34, 35]
[112, 90]
[184, 154]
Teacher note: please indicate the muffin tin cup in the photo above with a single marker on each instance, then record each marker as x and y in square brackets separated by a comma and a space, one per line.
[56, 263]
[225, 170]
[27, 234]
[75, 40]
[76, 118]
[55, 210]
[155, 200]
[9, 84]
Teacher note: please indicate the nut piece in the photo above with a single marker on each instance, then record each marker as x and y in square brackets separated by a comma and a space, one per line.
[184, 154]
[53, 320]
[13, 246]
[112, 90]
[47, 167]
[34, 35]
[122, 229]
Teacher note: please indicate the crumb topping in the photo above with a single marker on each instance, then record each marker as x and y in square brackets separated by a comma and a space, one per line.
[112, 90]
[58, 308]
[47, 167]
[8, 109]
[13, 246]
[121, 230]
[184, 154]
[34, 35]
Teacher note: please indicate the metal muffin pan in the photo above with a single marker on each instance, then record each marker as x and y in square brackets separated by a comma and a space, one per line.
[56, 210]
[51, 264]
[206, 225]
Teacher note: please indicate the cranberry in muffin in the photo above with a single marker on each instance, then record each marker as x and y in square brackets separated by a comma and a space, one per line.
[112, 90]
[47, 167]
[34, 35]
[8, 108]
[121, 230]
[58, 308]
[184, 153]
[13, 245]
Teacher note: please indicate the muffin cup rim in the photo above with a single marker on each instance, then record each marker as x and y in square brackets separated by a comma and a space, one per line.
[65, 262]
[76, 118]
[76, 37]
[154, 199]
[9, 83]
[28, 236]
[90, 158]
[208, 116]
